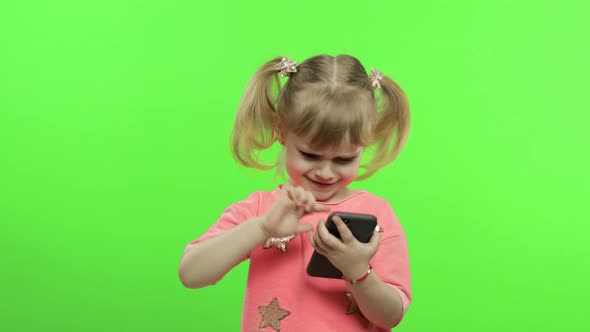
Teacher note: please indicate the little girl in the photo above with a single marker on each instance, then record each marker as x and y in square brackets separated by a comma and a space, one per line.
[325, 116]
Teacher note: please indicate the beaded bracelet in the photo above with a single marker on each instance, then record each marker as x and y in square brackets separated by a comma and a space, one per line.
[352, 282]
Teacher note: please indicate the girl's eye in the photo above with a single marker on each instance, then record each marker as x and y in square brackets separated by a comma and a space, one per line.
[309, 156]
[345, 160]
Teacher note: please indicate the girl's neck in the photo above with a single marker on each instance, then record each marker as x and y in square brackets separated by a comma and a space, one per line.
[341, 195]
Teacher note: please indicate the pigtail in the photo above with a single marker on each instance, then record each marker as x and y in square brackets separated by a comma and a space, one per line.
[256, 120]
[392, 127]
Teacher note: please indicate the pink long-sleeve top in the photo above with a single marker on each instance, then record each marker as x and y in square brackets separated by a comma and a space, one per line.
[279, 293]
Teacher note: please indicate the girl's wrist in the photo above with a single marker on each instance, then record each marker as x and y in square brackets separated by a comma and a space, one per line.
[359, 276]
[260, 221]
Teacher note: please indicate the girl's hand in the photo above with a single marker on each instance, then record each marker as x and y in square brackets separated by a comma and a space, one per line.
[349, 255]
[283, 217]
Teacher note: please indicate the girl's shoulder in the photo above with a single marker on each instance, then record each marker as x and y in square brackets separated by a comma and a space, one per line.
[257, 201]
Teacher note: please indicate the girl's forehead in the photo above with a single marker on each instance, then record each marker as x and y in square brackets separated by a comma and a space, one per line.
[344, 147]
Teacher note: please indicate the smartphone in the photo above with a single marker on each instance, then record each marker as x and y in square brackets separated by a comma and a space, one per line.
[362, 227]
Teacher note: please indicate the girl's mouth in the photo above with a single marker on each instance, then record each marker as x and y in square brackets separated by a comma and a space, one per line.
[320, 184]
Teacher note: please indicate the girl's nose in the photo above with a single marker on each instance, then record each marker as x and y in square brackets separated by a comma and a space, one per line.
[324, 172]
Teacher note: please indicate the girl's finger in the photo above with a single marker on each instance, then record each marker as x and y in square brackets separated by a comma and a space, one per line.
[299, 191]
[315, 245]
[320, 208]
[290, 193]
[345, 234]
[326, 238]
[309, 207]
[298, 198]
[321, 245]
[317, 237]
[375, 239]
[302, 203]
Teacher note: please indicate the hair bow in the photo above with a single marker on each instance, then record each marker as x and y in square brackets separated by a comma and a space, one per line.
[286, 66]
[376, 77]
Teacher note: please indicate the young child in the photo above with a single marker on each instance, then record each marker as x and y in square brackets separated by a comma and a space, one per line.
[325, 116]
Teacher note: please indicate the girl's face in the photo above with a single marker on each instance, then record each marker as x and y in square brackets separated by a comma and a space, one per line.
[326, 172]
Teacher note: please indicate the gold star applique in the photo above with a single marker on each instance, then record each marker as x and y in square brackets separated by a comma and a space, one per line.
[279, 242]
[272, 314]
[353, 307]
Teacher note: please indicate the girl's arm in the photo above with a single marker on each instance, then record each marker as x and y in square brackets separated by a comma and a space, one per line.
[208, 261]
[378, 301]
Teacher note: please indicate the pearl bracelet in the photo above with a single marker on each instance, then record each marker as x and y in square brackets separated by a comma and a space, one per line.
[352, 282]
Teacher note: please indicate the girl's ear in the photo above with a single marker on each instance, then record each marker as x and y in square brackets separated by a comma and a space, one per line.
[281, 138]
[278, 131]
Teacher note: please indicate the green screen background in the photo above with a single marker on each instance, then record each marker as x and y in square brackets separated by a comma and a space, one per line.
[114, 153]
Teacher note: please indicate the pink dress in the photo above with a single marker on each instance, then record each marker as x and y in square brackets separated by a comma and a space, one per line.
[279, 293]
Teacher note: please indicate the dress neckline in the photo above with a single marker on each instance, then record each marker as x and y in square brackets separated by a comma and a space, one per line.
[354, 193]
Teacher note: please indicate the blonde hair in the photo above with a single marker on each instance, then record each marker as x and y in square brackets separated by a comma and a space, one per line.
[328, 100]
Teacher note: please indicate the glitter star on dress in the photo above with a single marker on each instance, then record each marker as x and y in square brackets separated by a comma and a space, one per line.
[272, 314]
[279, 242]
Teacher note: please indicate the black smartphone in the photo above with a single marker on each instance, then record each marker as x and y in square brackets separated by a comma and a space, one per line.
[362, 227]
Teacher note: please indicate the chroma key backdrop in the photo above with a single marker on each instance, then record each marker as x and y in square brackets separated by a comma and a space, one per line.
[115, 119]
